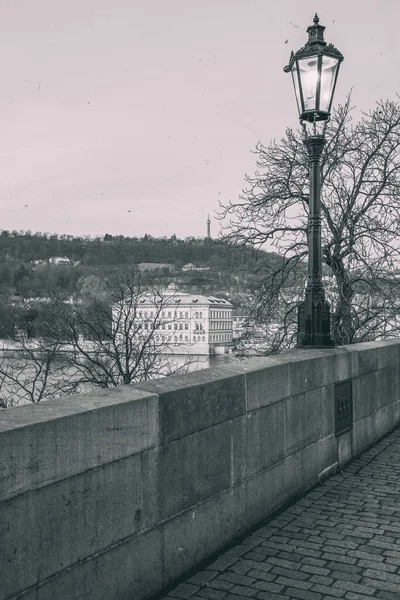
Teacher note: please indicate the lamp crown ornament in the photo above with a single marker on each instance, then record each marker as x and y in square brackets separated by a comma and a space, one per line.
[316, 32]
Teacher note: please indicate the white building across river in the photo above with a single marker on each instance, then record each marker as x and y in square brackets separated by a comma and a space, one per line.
[189, 323]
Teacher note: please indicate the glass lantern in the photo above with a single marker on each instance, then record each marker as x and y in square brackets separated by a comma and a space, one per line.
[314, 70]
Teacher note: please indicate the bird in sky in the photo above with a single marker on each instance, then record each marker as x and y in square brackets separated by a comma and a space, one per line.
[286, 41]
[293, 25]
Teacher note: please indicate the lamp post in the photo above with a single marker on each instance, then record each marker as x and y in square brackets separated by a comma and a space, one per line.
[314, 70]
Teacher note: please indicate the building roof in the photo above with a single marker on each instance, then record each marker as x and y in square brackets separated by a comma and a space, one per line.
[174, 296]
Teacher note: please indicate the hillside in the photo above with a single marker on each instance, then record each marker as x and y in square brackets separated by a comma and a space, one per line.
[119, 250]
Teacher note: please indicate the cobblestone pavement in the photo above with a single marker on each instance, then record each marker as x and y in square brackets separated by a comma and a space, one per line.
[341, 540]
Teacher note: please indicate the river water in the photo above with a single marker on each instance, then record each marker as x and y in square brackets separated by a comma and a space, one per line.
[196, 362]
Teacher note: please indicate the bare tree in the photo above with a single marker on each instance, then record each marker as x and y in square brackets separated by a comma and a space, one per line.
[36, 370]
[106, 339]
[360, 207]
[98, 340]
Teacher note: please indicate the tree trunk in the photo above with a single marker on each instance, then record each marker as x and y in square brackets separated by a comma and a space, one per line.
[341, 317]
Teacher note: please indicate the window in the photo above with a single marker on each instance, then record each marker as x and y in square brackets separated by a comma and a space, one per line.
[186, 325]
[196, 315]
[186, 338]
[180, 325]
[186, 315]
[175, 325]
[201, 315]
[180, 314]
[169, 326]
[194, 338]
[169, 314]
[203, 338]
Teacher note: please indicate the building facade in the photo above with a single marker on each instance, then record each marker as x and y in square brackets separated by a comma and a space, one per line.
[187, 323]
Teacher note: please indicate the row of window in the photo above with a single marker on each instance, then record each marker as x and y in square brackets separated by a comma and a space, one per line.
[170, 314]
[198, 326]
[217, 325]
[220, 314]
[221, 337]
[218, 337]
[180, 338]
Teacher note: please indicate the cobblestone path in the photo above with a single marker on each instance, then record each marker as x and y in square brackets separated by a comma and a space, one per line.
[341, 540]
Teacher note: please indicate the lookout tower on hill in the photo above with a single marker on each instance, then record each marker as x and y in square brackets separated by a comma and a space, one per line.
[208, 227]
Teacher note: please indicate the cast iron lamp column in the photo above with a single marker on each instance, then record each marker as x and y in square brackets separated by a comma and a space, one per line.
[314, 71]
[314, 321]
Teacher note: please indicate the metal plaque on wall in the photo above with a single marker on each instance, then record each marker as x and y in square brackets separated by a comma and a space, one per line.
[343, 407]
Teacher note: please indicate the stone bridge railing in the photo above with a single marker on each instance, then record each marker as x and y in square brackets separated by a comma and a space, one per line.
[117, 493]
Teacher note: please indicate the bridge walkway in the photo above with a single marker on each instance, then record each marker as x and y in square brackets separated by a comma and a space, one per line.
[341, 540]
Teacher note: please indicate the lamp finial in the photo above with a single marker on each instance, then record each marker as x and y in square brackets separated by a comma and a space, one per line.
[316, 19]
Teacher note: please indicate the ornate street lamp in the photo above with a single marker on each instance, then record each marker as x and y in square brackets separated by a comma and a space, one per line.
[314, 71]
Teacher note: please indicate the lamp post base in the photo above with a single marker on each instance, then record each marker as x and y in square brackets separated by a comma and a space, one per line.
[314, 322]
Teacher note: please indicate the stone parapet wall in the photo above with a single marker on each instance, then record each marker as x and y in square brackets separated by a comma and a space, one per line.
[115, 494]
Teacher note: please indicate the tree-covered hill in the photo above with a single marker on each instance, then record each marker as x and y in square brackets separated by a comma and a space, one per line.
[28, 276]
[107, 251]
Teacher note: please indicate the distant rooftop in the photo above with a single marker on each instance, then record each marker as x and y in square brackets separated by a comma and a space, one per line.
[175, 296]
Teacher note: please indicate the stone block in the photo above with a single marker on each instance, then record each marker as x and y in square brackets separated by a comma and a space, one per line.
[195, 534]
[47, 442]
[388, 354]
[239, 448]
[306, 466]
[270, 489]
[197, 400]
[383, 421]
[373, 356]
[388, 383]
[267, 490]
[327, 411]
[265, 437]
[130, 570]
[267, 381]
[396, 413]
[311, 370]
[345, 448]
[367, 357]
[303, 420]
[51, 528]
[193, 468]
[344, 366]
[365, 395]
[362, 434]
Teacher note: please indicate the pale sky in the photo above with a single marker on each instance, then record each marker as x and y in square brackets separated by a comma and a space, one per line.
[154, 106]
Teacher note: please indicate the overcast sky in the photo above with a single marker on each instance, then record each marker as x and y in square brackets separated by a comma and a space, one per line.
[137, 116]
